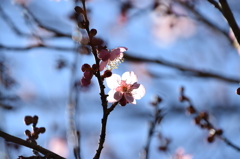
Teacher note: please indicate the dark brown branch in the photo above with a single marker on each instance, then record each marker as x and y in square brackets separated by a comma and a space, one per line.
[191, 71]
[103, 130]
[227, 13]
[38, 148]
[103, 96]
[14, 48]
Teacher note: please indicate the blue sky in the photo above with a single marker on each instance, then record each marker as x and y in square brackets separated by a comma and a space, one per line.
[190, 43]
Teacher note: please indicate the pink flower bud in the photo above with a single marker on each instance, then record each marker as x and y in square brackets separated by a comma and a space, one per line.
[85, 82]
[85, 67]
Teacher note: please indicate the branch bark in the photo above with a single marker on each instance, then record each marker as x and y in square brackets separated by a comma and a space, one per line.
[22, 142]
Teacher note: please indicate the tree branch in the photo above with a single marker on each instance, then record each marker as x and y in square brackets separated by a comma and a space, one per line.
[227, 13]
[191, 71]
[38, 148]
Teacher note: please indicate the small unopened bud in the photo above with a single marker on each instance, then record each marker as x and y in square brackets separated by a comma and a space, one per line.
[42, 130]
[162, 148]
[36, 130]
[107, 73]
[28, 120]
[197, 120]
[238, 91]
[191, 109]
[219, 132]
[82, 25]
[204, 115]
[35, 119]
[93, 32]
[85, 67]
[27, 133]
[210, 138]
[182, 98]
[78, 9]
[85, 81]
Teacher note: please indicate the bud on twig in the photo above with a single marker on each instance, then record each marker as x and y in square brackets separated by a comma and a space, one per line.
[78, 9]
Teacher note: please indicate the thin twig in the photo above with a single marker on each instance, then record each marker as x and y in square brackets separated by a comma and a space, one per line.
[202, 18]
[71, 109]
[129, 57]
[22, 142]
[11, 24]
[16, 48]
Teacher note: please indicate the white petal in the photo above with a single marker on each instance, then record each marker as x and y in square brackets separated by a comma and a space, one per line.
[113, 81]
[139, 93]
[130, 77]
[122, 49]
[110, 97]
[134, 102]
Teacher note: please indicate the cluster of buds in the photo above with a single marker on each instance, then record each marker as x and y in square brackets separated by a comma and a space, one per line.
[88, 72]
[213, 133]
[32, 136]
[201, 119]
[164, 143]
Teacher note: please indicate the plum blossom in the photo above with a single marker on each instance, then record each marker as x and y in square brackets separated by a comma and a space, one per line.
[111, 58]
[180, 154]
[124, 90]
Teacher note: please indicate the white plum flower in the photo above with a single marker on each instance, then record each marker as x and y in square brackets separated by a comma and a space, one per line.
[124, 90]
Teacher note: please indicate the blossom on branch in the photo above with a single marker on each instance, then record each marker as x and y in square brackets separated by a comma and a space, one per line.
[124, 90]
[111, 58]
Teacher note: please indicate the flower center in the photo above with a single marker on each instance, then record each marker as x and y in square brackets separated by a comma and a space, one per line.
[124, 87]
[114, 63]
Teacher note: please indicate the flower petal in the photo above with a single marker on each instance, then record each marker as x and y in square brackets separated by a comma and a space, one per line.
[102, 65]
[114, 54]
[135, 85]
[122, 49]
[129, 97]
[117, 52]
[113, 81]
[130, 77]
[104, 55]
[139, 93]
[110, 97]
[117, 95]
